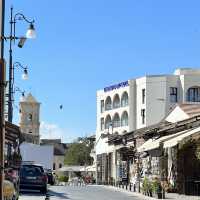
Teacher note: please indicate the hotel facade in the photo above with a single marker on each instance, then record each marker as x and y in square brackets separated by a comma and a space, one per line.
[135, 104]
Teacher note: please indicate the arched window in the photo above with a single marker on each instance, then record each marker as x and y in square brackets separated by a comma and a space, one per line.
[116, 101]
[108, 104]
[124, 119]
[60, 165]
[116, 120]
[102, 124]
[124, 100]
[193, 94]
[107, 122]
[30, 117]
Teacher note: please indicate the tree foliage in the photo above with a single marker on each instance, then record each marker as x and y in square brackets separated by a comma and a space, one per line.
[78, 153]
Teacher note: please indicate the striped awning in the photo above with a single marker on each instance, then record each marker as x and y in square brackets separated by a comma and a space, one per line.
[156, 143]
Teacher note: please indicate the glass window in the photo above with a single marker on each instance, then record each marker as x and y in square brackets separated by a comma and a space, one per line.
[102, 124]
[116, 101]
[193, 94]
[116, 121]
[124, 101]
[173, 94]
[102, 106]
[143, 96]
[143, 115]
[107, 122]
[108, 104]
[124, 119]
[30, 171]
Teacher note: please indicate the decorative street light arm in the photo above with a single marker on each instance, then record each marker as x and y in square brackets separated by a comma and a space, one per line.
[20, 16]
[19, 65]
[17, 89]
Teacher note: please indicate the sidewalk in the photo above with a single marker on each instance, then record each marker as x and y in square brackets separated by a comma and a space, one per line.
[171, 196]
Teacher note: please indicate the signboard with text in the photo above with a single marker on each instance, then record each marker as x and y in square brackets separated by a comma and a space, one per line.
[116, 86]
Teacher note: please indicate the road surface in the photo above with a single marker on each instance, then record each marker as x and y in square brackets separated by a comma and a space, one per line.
[80, 193]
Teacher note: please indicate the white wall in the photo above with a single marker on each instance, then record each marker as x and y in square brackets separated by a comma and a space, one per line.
[177, 115]
[157, 104]
[102, 145]
[156, 100]
[38, 154]
[140, 85]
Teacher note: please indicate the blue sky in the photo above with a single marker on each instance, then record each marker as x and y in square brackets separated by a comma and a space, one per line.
[83, 46]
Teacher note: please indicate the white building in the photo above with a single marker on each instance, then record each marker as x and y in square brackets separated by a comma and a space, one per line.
[137, 103]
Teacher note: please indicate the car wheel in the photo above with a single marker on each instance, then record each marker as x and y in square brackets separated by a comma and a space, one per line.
[43, 190]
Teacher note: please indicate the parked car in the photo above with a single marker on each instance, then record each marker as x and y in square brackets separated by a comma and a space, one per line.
[32, 176]
[50, 176]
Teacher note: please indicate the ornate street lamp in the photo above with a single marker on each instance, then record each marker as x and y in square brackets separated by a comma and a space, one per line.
[20, 66]
[12, 89]
[17, 89]
[30, 34]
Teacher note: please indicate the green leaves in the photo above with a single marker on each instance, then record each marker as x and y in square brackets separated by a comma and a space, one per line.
[78, 154]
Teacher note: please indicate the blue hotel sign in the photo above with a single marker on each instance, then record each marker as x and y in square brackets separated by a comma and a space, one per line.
[116, 86]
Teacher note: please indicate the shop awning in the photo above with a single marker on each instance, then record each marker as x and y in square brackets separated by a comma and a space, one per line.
[148, 145]
[155, 143]
[174, 141]
[71, 169]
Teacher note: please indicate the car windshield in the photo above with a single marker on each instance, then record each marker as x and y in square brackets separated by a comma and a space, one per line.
[31, 171]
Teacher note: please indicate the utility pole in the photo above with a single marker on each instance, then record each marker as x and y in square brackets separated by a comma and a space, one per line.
[2, 96]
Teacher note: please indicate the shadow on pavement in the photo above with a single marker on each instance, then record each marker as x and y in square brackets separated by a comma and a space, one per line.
[31, 193]
[58, 194]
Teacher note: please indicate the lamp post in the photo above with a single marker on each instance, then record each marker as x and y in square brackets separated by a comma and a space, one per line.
[12, 38]
[2, 98]
[11, 84]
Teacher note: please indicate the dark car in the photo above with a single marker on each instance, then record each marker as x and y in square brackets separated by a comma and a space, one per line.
[50, 176]
[33, 177]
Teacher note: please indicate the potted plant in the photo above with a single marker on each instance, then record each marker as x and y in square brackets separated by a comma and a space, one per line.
[157, 188]
[146, 187]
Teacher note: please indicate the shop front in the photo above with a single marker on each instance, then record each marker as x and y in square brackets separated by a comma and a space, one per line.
[11, 148]
[184, 162]
[174, 160]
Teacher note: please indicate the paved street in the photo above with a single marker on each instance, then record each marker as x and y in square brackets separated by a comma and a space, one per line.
[80, 193]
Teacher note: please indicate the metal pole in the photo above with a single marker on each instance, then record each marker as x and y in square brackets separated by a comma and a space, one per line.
[2, 125]
[2, 100]
[10, 91]
[2, 27]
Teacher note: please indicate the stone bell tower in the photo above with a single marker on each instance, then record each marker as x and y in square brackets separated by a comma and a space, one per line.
[30, 119]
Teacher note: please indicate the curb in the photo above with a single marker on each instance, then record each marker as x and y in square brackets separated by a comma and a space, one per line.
[139, 195]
